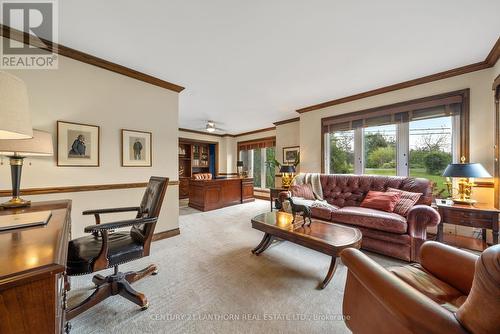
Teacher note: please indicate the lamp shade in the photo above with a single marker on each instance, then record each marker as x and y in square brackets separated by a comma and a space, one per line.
[239, 163]
[39, 145]
[287, 169]
[14, 108]
[466, 170]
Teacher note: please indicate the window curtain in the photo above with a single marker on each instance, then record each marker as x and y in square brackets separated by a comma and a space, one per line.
[255, 144]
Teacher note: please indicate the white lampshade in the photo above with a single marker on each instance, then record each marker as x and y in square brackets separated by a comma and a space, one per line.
[39, 145]
[15, 117]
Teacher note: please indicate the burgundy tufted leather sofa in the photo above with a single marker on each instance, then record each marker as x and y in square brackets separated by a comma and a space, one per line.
[383, 232]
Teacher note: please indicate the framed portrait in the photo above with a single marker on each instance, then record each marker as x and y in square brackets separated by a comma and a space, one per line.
[290, 154]
[77, 144]
[137, 148]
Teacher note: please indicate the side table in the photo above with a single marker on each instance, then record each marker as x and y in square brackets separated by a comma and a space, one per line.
[274, 194]
[478, 216]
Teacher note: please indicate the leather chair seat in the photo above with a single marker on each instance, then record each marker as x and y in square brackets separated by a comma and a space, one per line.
[83, 252]
[371, 218]
[440, 292]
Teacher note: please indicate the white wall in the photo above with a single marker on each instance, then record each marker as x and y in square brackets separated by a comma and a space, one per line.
[82, 93]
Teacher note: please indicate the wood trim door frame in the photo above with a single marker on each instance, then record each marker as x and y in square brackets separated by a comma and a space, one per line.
[496, 94]
[464, 119]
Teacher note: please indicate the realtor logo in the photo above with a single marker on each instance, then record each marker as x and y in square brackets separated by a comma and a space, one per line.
[38, 19]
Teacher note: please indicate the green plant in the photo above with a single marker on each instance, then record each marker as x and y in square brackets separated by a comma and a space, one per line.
[381, 156]
[436, 161]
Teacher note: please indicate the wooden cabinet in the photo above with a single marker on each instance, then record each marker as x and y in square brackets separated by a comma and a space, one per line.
[32, 272]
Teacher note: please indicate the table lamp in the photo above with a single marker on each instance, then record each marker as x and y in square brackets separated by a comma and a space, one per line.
[239, 167]
[287, 173]
[464, 171]
[14, 108]
[17, 150]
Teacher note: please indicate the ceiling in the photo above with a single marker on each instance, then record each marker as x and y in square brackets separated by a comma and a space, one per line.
[246, 64]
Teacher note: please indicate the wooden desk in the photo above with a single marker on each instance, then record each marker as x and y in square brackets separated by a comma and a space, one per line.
[479, 216]
[206, 195]
[32, 272]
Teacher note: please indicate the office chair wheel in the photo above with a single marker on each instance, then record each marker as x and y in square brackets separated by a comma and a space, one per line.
[145, 307]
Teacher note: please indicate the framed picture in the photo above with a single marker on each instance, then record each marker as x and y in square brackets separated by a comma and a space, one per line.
[136, 148]
[290, 154]
[77, 144]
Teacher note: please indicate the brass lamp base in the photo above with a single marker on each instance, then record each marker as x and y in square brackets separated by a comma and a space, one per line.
[464, 201]
[15, 202]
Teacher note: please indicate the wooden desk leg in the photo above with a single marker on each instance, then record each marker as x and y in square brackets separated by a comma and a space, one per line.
[331, 271]
[439, 236]
[484, 234]
[271, 203]
[495, 232]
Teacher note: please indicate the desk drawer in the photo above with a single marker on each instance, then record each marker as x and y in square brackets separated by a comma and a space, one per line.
[465, 218]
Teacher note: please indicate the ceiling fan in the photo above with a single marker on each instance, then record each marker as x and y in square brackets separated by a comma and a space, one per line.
[210, 127]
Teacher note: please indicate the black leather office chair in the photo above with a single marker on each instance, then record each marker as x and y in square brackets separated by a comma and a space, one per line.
[105, 249]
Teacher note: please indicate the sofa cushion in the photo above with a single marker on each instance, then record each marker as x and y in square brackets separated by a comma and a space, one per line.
[437, 290]
[302, 190]
[371, 218]
[406, 201]
[385, 201]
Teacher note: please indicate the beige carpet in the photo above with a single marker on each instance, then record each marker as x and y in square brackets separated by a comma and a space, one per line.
[209, 282]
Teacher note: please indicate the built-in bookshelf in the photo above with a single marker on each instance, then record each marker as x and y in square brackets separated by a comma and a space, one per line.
[194, 157]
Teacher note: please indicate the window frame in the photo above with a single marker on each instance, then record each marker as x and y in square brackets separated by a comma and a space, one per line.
[463, 149]
[259, 143]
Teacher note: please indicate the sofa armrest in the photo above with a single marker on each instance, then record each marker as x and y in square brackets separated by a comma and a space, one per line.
[400, 301]
[451, 265]
[419, 218]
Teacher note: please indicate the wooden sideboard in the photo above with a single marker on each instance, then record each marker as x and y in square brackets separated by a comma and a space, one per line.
[206, 195]
[32, 272]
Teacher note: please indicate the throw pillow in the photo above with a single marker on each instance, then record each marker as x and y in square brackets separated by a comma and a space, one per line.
[406, 201]
[302, 190]
[385, 201]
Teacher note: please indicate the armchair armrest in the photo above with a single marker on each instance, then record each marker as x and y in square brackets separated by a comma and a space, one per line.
[119, 224]
[111, 210]
[400, 301]
[451, 265]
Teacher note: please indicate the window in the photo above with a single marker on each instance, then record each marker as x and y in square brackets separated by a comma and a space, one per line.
[417, 138]
[254, 155]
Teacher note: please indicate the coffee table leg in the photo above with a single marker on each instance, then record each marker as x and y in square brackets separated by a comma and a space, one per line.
[265, 245]
[262, 243]
[331, 271]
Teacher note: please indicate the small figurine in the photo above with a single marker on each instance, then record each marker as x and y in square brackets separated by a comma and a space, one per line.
[300, 208]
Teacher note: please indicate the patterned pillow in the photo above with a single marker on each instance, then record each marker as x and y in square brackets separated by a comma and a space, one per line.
[406, 201]
[379, 200]
[302, 190]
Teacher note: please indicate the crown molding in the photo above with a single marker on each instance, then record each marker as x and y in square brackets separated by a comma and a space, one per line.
[489, 61]
[255, 131]
[201, 132]
[62, 50]
[286, 121]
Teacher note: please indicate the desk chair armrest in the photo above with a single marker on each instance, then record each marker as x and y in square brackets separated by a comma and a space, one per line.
[119, 224]
[102, 262]
[111, 210]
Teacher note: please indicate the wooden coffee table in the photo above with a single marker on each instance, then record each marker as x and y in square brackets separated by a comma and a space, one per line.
[327, 238]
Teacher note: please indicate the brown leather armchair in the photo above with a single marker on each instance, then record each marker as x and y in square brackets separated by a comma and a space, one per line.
[450, 291]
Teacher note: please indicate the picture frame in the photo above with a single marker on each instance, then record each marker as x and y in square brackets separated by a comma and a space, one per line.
[137, 148]
[290, 154]
[78, 144]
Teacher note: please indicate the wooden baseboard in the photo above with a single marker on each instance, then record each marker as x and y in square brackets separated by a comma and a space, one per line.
[166, 234]
[261, 197]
